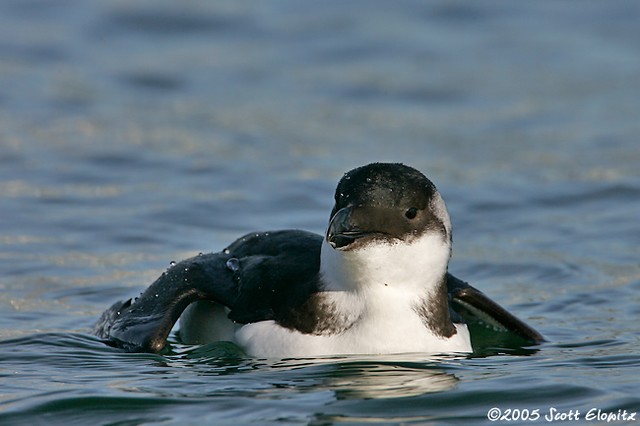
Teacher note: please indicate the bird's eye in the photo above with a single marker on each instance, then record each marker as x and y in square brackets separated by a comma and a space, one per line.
[411, 213]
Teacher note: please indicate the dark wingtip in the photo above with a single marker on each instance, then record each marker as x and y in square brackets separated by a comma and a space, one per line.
[143, 324]
[474, 306]
[105, 323]
[477, 302]
[122, 327]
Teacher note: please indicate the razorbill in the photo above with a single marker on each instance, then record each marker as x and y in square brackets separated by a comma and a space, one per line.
[376, 283]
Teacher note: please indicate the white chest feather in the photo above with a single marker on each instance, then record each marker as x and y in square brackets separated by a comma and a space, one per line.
[389, 325]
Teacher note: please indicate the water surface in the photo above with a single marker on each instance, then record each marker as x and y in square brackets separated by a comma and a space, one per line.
[134, 134]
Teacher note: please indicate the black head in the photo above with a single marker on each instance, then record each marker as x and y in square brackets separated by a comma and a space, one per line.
[385, 201]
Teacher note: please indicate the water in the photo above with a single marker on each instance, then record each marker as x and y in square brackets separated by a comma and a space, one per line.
[137, 133]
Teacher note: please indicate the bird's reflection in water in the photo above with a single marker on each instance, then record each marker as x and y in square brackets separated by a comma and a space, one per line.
[374, 377]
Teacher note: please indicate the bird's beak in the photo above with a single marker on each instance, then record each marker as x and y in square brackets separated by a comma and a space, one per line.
[342, 231]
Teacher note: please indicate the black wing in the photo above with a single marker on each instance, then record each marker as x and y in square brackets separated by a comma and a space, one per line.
[243, 277]
[489, 323]
[144, 323]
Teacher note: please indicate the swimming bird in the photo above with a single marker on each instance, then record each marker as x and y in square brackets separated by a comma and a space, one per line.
[376, 282]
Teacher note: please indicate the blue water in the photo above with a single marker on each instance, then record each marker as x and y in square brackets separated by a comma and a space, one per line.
[137, 133]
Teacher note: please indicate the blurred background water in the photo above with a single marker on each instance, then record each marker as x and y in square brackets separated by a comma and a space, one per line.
[137, 133]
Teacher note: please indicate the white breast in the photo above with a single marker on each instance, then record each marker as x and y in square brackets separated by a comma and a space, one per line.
[384, 322]
[267, 339]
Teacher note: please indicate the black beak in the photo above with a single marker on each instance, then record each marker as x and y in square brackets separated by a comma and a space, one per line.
[342, 230]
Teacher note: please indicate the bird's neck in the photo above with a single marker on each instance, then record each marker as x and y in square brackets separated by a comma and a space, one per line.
[373, 287]
[414, 269]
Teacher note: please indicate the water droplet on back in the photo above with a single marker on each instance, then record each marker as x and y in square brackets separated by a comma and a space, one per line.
[226, 251]
[233, 264]
[172, 263]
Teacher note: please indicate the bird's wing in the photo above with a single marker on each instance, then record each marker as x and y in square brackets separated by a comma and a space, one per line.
[257, 278]
[484, 316]
[143, 323]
